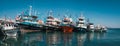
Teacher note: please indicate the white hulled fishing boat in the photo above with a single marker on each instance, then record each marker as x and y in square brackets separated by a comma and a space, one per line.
[8, 27]
[104, 29]
[52, 23]
[80, 25]
[100, 28]
[90, 26]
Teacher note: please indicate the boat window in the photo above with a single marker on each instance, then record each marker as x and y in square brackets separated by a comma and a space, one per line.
[81, 19]
[65, 21]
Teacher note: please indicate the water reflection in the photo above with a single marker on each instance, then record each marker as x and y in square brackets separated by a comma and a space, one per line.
[9, 41]
[100, 35]
[33, 39]
[51, 39]
[67, 39]
[81, 39]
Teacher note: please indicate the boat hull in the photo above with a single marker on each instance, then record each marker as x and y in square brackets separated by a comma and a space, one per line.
[32, 27]
[52, 28]
[66, 29]
[8, 32]
[12, 32]
[79, 29]
[90, 30]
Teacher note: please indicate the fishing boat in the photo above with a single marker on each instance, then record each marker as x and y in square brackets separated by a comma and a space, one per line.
[27, 20]
[67, 24]
[52, 23]
[104, 29]
[80, 25]
[90, 26]
[100, 28]
[8, 28]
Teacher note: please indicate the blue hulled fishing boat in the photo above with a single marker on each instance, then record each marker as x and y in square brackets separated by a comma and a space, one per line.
[29, 21]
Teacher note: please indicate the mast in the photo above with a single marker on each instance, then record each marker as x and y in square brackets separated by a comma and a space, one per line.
[81, 15]
[30, 10]
[67, 12]
[35, 13]
[5, 18]
[88, 21]
[50, 13]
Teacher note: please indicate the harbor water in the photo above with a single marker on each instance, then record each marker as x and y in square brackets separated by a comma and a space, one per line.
[109, 38]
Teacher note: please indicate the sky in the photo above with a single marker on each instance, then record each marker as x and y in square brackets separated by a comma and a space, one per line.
[104, 12]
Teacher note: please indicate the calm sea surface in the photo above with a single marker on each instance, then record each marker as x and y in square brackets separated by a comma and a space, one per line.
[110, 38]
